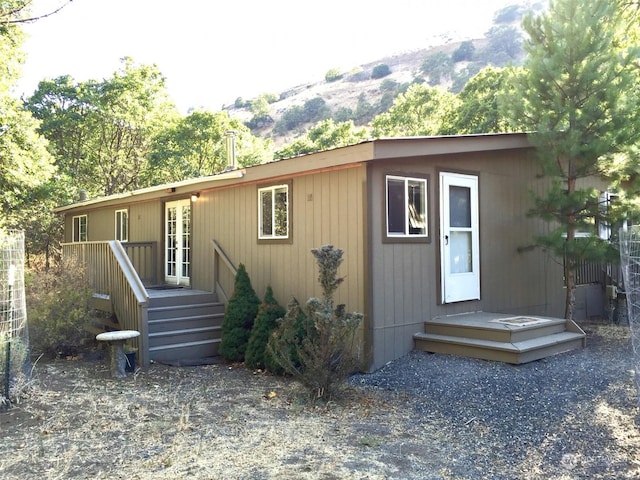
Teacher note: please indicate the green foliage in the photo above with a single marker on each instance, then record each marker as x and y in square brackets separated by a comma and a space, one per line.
[266, 322]
[580, 94]
[241, 103]
[479, 104]
[438, 66]
[196, 146]
[343, 114]
[59, 310]
[313, 110]
[327, 353]
[422, 110]
[333, 75]
[289, 335]
[380, 71]
[25, 164]
[464, 52]
[504, 46]
[508, 14]
[101, 132]
[324, 136]
[239, 317]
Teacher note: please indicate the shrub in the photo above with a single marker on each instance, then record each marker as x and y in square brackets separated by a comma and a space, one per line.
[464, 52]
[239, 317]
[327, 354]
[289, 335]
[59, 310]
[333, 75]
[266, 322]
[380, 71]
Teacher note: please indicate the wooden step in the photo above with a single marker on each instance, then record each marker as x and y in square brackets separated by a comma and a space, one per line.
[184, 336]
[185, 322]
[185, 351]
[508, 352]
[173, 311]
[494, 330]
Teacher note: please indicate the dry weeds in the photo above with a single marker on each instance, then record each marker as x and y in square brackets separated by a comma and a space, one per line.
[220, 422]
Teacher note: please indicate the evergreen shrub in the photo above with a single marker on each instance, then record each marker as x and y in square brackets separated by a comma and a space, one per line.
[327, 353]
[239, 317]
[266, 322]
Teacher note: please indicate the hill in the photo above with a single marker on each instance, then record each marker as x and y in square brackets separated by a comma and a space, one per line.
[369, 89]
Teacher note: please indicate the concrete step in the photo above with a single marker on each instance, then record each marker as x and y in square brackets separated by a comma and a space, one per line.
[510, 352]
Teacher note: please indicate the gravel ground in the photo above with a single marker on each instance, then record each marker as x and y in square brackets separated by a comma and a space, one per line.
[573, 415]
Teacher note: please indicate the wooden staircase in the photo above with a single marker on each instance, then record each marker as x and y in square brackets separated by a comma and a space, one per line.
[184, 325]
[499, 337]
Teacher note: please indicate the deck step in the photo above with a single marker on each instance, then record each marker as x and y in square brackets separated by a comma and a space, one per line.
[174, 311]
[185, 335]
[516, 352]
[501, 337]
[184, 325]
[185, 351]
[187, 321]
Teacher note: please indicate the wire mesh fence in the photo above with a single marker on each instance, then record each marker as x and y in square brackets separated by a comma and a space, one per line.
[14, 334]
[630, 262]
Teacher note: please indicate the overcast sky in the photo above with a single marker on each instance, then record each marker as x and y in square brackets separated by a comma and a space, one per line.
[212, 52]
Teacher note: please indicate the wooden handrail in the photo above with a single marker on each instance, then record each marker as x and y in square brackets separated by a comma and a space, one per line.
[218, 253]
[129, 299]
[111, 272]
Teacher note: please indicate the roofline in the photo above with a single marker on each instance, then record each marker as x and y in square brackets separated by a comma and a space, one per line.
[352, 155]
[182, 185]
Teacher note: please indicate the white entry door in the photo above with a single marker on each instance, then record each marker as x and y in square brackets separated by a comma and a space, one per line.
[177, 264]
[459, 243]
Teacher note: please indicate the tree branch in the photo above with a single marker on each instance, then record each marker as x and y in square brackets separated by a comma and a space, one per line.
[6, 16]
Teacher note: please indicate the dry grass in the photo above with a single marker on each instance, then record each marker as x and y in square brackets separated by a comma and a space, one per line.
[201, 422]
[229, 423]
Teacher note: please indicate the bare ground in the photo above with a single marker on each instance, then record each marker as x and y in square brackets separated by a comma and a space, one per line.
[572, 416]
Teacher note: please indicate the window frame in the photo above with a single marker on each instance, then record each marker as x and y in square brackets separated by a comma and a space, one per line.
[273, 237]
[119, 224]
[406, 237]
[77, 233]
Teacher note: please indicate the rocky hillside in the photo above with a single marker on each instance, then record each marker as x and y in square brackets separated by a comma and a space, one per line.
[370, 88]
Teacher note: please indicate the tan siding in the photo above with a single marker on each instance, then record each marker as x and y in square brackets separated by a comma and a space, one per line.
[101, 225]
[332, 198]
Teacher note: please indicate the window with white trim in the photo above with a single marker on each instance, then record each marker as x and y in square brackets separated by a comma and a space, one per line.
[122, 225]
[273, 212]
[406, 207]
[79, 229]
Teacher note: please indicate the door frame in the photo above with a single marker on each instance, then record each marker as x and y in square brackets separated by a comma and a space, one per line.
[177, 279]
[460, 286]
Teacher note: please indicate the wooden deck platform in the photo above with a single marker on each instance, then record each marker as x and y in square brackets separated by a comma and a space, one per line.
[501, 337]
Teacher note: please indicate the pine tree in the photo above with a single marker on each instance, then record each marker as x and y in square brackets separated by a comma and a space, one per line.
[579, 95]
[239, 317]
[266, 322]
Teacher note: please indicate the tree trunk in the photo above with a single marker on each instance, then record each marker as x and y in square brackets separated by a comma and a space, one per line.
[569, 261]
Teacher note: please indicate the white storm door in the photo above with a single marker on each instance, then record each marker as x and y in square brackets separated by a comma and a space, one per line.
[177, 263]
[459, 242]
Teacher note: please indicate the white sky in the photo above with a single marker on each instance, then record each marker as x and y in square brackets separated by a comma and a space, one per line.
[212, 52]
